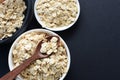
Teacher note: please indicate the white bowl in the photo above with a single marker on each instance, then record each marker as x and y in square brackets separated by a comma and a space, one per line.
[10, 60]
[59, 28]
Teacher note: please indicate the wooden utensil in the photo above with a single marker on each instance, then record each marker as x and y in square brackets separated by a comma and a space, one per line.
[37, 55]
[1, 1]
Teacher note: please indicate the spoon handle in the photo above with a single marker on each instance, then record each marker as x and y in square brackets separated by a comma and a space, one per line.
[1, 1]
[12, 74]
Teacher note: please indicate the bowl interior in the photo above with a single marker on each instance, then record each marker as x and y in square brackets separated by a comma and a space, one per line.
[28, 16]
[10, 62]
[59, 28]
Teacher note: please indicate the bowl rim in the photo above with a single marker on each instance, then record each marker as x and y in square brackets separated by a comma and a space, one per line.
[25, 23]
[10, 61]
[59, 28]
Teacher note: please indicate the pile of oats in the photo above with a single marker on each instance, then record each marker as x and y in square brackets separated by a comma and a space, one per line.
[51, 68]
[57, 13]
[11, 17]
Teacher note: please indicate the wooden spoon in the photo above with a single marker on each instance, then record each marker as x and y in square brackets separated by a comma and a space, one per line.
[2, 1]
[37, 55]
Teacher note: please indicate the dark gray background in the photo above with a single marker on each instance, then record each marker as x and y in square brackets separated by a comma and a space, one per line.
[94, 42]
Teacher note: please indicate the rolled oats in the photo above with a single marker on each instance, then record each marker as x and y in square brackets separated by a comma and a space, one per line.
[11, 17]
[51, 68]
[57, 13]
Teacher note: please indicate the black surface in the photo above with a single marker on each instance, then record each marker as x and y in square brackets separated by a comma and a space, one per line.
[94, 42]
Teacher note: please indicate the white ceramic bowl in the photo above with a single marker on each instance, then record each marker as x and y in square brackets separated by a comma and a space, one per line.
[59, 28]
[10, 62]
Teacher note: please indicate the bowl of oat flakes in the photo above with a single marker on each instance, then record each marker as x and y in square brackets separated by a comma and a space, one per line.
[14, 18]
[57, 15]
[55, 67]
